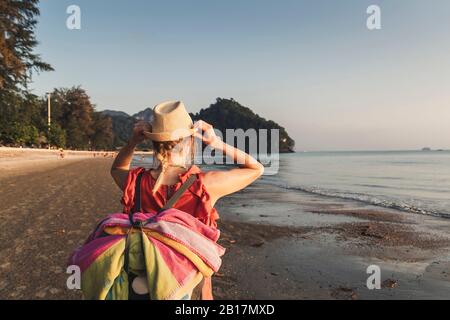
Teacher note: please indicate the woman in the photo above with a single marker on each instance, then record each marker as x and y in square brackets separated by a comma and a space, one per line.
[172, 133]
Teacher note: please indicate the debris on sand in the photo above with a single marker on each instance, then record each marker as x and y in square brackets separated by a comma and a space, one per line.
[344, 293]
[389, 283]
[257, 244]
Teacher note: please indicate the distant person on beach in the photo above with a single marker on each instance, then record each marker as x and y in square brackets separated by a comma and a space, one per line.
[172, 133]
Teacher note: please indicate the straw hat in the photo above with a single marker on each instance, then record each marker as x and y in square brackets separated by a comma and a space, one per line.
[170, 122]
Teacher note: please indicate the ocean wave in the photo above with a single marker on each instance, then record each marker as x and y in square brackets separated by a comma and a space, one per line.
[364, 198]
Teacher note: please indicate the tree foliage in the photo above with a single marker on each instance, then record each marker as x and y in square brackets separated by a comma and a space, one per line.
[74, 122]
[102, 137]
[56, 136]
[17, 42]
[84, 128]
[72, 110]
[21, 122]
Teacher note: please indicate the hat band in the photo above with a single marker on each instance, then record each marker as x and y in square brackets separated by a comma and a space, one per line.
[170, 135]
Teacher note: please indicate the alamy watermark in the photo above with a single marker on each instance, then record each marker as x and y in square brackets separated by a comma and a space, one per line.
[374, 280]
[74, 279]
[262, 144]
[373, 21]
[73, 21]
[255, 142]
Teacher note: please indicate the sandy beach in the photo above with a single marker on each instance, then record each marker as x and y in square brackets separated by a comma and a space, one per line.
[281, 244]
[19, 161]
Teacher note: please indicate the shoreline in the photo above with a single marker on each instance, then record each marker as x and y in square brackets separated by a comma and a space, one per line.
[382, 206]
[301, 246]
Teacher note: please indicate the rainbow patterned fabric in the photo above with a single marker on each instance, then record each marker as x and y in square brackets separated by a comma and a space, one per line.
[174, 251]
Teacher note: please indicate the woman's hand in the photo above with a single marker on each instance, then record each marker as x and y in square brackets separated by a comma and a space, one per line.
[121, 165]
[139, 130]
[206, 133]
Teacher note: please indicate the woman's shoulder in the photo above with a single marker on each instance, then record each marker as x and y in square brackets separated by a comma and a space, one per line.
[182, 177]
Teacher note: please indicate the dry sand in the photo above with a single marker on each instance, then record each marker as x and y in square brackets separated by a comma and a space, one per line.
[19, 161]
[281, 244]
[45, 214]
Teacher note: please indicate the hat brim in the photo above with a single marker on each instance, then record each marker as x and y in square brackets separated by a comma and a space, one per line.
[169, 136]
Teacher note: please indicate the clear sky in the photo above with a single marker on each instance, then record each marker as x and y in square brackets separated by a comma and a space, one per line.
[312, 66]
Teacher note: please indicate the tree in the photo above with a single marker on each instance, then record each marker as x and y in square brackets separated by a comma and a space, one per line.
[78, 125]
[73, 110]
[21, 122]
[17, 41]
[23, 135]
[57, 136]
[9, 113]
[102, 137]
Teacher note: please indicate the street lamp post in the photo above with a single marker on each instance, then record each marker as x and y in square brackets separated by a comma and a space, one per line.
[49, 117]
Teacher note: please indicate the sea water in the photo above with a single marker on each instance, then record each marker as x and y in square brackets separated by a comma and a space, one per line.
[414, 181]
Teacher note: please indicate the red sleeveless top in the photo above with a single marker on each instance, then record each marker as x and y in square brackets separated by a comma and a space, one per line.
[195, 201]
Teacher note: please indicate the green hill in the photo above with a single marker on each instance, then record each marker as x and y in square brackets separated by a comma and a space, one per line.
[229, 114]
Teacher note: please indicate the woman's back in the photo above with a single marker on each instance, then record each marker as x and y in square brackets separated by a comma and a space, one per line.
[195, 201]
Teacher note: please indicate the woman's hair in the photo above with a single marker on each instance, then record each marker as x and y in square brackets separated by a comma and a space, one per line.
[178, 153]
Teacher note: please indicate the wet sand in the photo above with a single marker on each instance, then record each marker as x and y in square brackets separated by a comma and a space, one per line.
[293, 245]
[281, 244]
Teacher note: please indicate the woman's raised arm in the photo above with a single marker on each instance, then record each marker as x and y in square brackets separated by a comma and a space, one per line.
[222, 183]
[121, 165]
